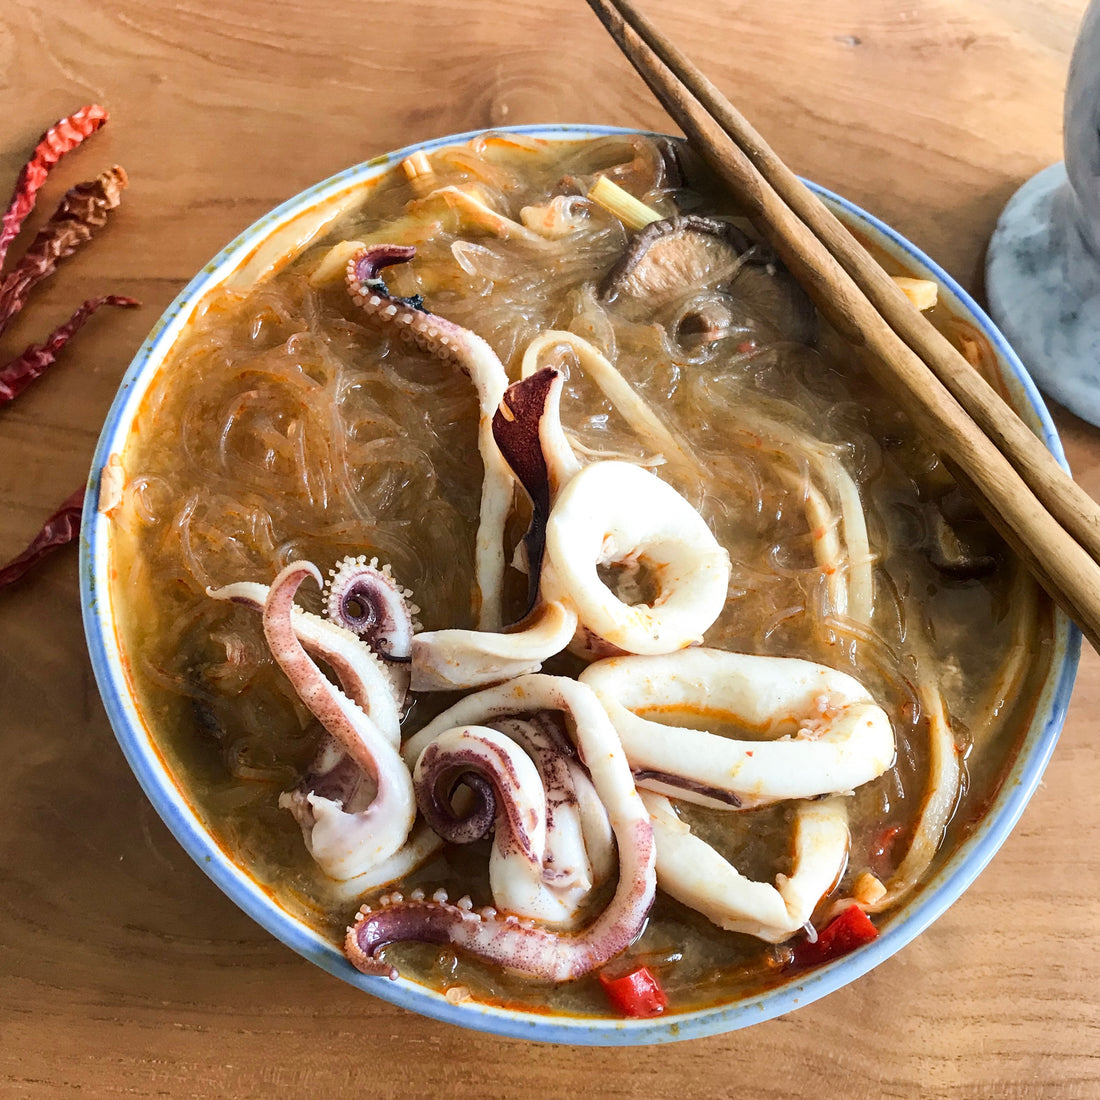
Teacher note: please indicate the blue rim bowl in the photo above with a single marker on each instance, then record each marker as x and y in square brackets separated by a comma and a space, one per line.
[286, 230]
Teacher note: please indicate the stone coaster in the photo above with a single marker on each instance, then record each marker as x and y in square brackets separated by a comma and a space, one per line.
[1043, 287]
[1043, 264]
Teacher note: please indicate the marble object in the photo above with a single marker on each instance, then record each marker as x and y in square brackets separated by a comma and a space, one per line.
[1043, 264]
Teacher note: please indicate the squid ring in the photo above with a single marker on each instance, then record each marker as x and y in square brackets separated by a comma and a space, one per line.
[692, 872]
[614, 512]
[821, 732]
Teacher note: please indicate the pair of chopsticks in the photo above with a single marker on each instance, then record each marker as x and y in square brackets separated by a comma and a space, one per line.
[1049, 520]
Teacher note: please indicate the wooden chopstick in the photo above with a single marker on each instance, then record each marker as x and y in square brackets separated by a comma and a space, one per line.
[1062, 496]
[1061, 558]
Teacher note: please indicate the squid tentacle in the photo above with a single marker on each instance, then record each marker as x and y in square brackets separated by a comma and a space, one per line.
[567, 868]
[518, 771]
[505, 940]
[523, 853]
[364, 678]
[364, 598]
[446, 340]
[336, 790]
[518, 800]
[343, 844]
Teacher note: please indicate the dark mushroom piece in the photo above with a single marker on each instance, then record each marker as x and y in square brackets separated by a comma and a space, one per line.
[769, 295]
[961, 543]
[702, 321]
[670, 258]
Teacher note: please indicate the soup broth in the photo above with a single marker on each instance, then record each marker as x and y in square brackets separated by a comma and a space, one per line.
[286, 425]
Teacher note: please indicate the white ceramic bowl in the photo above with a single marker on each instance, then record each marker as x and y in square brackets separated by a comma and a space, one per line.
[289, 228]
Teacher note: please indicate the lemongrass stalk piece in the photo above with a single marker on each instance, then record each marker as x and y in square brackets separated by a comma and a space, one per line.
[632, 212]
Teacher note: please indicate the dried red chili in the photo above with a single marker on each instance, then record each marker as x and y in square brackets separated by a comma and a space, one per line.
[62, 527]
[82, 211]
[24, 369]
[64, 136]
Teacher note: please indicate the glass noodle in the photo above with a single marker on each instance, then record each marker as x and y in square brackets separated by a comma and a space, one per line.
[288, 426]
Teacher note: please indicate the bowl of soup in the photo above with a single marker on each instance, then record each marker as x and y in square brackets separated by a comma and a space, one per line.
[663, 679]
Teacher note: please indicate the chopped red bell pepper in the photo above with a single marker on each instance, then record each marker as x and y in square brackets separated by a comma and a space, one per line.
[635, 994]
[852, 929]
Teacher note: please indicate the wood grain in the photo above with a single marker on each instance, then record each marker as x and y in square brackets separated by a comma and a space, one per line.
[122, 968]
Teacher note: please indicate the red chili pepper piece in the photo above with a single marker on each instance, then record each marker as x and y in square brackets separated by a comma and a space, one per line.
[58, 140]
[635, 994]
[24, 369]
[881, 855]
[852, 929]
[62, 527]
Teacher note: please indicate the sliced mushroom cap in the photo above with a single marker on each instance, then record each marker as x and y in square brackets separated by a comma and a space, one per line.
[669, 259]
[771, 295]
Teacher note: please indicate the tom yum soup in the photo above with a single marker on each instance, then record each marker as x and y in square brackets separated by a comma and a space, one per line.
[657, 657]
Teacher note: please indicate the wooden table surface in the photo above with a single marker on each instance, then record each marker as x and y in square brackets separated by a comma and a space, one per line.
[122, 968]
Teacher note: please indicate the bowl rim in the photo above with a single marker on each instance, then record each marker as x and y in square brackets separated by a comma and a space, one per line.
[916, 914]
